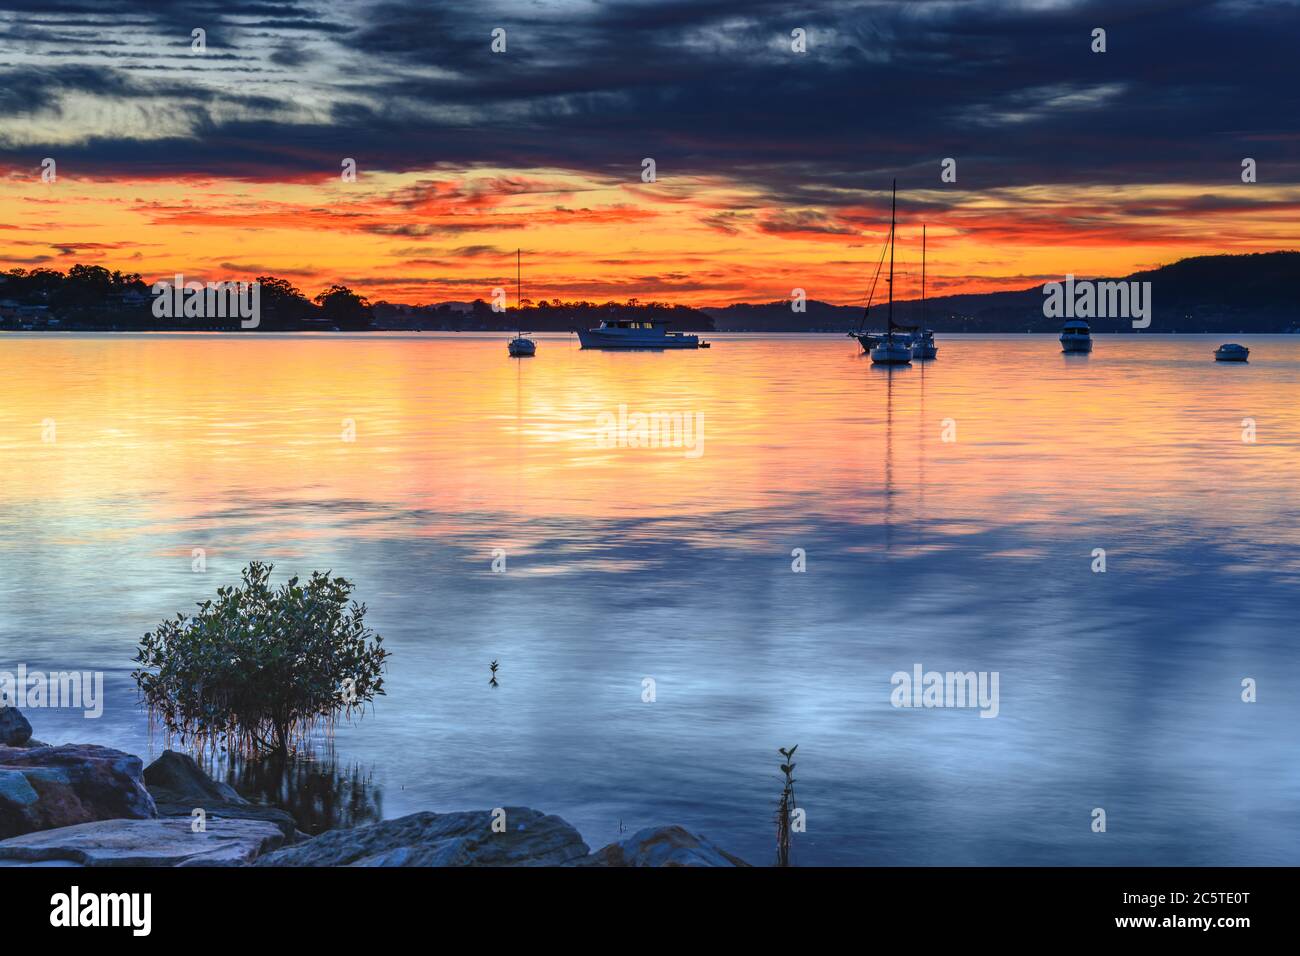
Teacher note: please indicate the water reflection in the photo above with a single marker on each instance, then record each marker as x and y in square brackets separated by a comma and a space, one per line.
[317, 790]
[1119, 690]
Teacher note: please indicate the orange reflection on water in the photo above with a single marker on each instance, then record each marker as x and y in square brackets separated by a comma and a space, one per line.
[185, 429]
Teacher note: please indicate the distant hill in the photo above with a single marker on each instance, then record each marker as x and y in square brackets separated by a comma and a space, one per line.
[1258, 292]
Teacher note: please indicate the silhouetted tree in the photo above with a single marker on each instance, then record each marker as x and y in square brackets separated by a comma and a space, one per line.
[283, 305]
[342, 307]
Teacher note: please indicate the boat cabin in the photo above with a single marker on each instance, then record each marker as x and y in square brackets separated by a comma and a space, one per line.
[629, 324]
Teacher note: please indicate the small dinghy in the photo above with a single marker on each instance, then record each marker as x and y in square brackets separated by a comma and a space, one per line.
[1231, 352]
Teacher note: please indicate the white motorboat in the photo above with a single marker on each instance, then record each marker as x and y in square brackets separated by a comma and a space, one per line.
[1231, 352]
[1076, 336]
[636, 334]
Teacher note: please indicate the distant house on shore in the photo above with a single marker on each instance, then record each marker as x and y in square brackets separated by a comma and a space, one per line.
[15, 314]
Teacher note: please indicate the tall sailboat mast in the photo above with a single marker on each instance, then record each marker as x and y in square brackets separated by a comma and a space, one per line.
[893, 207]
[923, 277]
[519, 304]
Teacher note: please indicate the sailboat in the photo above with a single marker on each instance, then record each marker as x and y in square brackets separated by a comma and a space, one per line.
[520, 347]
[892, 350]
[923, 346]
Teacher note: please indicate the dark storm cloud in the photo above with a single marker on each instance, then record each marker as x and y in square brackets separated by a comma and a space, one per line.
[1014, 94]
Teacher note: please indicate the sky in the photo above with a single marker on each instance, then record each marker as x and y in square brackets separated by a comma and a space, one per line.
[772, 166]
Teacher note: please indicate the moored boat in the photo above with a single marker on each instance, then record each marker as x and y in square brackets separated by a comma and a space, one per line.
[893, 350]
[923, 346]
[635, 334]
[1231, 352]
[519, 346]
[1076, 336]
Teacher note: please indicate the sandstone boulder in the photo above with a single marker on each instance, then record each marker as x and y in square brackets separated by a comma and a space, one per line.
[46, 787]
[144, 843]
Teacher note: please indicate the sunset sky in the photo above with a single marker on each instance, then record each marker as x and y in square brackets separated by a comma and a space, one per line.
[773, 167]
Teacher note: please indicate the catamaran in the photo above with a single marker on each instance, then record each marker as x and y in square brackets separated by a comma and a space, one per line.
[519, 346]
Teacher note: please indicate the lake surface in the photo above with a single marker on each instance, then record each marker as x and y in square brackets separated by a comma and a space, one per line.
[1118, 690]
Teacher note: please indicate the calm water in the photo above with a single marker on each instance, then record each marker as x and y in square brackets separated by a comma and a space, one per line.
[1118, 690]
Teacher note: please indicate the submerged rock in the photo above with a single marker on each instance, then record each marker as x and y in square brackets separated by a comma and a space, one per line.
[530, 838]
[145, 843]
[664, 846]
[15, 730]
[46, 787]
[177, 778]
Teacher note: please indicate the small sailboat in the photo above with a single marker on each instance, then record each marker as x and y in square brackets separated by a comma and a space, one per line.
[519, 346]
[923, 346]
[892, 350]
[1231, 352]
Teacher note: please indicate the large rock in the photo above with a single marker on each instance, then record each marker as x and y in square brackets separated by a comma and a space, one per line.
[664, 846]
[46, 787]
[177, 778]
[15, 730]
[144, 843]
[179, 787]
[530, 838]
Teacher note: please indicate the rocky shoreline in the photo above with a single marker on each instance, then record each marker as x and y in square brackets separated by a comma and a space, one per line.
[86, 805]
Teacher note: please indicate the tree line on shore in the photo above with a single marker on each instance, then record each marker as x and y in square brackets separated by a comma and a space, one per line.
[92, 297]
[95, 298]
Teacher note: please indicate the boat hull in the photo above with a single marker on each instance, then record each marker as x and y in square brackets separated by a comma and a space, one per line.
[606, 339]
[1231, 357]
[522, 348]
[887, 353]
[1076, 344]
